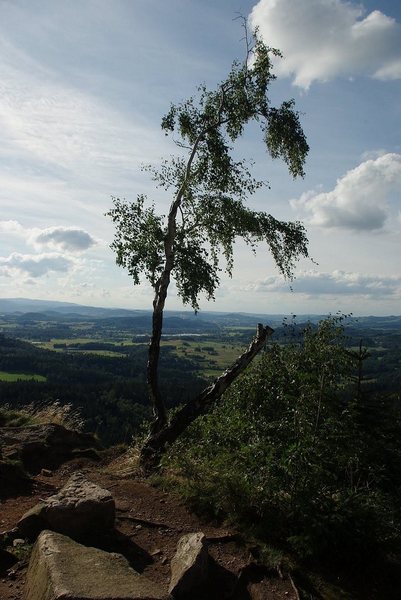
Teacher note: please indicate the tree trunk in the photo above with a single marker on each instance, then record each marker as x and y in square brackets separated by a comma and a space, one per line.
[159, 409]
[155, 445]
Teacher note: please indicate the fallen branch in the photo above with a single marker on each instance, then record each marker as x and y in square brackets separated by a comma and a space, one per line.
[156, 443]
[294, 587]
[144, 522]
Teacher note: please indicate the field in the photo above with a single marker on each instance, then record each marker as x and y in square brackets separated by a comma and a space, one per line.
[210, 355]
[4, 376]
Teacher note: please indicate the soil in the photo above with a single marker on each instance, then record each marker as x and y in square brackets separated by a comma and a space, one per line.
[149, 523]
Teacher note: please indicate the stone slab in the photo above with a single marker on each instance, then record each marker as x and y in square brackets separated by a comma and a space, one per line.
[61, 569]
[189, 566]
[81, 509]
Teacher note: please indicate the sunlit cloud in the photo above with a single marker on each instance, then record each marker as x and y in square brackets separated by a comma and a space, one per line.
[360, 200]
[315, 284]
[324, 39]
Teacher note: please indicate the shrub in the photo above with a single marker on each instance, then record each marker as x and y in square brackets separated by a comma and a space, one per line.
[290, 454]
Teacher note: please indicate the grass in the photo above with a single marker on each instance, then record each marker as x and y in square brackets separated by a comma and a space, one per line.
[51, 412]
[4, 376]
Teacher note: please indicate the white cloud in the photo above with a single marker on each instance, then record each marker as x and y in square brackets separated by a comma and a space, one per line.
[313, 283]
[65, 238]
[323, 39]
[65, 131]
[12, 227]
[66, 243]
[30, 265]
[361, 198]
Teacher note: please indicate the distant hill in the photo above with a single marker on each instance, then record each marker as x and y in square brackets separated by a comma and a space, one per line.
[27, 305]
[29, 310]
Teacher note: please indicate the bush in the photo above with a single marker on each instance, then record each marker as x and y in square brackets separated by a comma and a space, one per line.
[293, 454]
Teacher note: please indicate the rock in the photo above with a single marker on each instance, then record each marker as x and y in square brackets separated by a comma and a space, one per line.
[46, 473]
[189, 566]
[13, 480]
[81, 510]
[6, 560]
[45, 446]
[61, 568]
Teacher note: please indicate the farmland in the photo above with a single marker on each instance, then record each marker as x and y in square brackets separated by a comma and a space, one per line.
[97, 362]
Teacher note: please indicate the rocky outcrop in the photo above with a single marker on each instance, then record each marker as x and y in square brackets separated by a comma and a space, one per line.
[189, 566]
[61, 568]
[13, 480]
[45, 446]
[81, 510]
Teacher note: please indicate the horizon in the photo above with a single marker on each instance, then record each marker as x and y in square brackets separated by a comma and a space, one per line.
[85, 86]
[190, 311]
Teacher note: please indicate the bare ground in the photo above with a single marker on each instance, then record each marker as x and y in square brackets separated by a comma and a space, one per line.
[149, 523]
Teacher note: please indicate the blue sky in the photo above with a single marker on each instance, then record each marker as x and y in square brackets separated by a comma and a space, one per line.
[83, 86]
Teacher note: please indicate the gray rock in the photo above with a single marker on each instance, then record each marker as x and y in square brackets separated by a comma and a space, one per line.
[45, 446]
[81, 510]
[189, 566]
[61, 568]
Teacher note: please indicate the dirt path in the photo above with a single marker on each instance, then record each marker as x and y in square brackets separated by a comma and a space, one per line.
[149, 523]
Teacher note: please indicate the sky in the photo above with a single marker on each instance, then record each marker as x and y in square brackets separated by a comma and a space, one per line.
[83, 88]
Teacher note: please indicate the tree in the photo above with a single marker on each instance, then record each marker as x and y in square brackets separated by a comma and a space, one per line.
[209, 189]
[299, 453]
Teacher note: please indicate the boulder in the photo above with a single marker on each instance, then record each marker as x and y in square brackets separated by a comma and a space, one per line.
[7, 560]
[45, 446]
[81, 510]
[61, 568]
[189, 566]
[13, 480]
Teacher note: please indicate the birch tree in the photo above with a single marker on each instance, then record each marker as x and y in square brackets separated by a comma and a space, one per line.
[209, 189]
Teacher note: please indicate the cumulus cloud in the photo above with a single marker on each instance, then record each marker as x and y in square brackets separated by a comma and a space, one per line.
[323, 39]
[63, 244]
[65, 238]
[361, 198]
[12, 227]
[313, 283]
[34, 266]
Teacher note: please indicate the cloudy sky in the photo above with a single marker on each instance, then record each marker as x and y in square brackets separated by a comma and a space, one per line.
[83, 86]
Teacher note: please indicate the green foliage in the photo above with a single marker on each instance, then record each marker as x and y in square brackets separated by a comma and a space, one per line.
[295, 454]
[110, 392]
[14, 418]
[209, 187]
[139, 238]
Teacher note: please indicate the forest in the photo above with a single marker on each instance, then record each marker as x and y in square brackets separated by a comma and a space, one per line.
[98, 364]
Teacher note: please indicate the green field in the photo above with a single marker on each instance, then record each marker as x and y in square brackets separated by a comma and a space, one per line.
[4, 376]
[212, 356]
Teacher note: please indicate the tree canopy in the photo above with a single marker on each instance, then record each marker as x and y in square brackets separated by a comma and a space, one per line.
[209, 189]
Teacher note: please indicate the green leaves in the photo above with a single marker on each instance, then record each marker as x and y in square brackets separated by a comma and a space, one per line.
[210, 187]
[138, 241]
[285, 139]
[288, 452]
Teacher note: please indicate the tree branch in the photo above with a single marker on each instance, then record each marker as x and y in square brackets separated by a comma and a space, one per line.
[156, 443]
